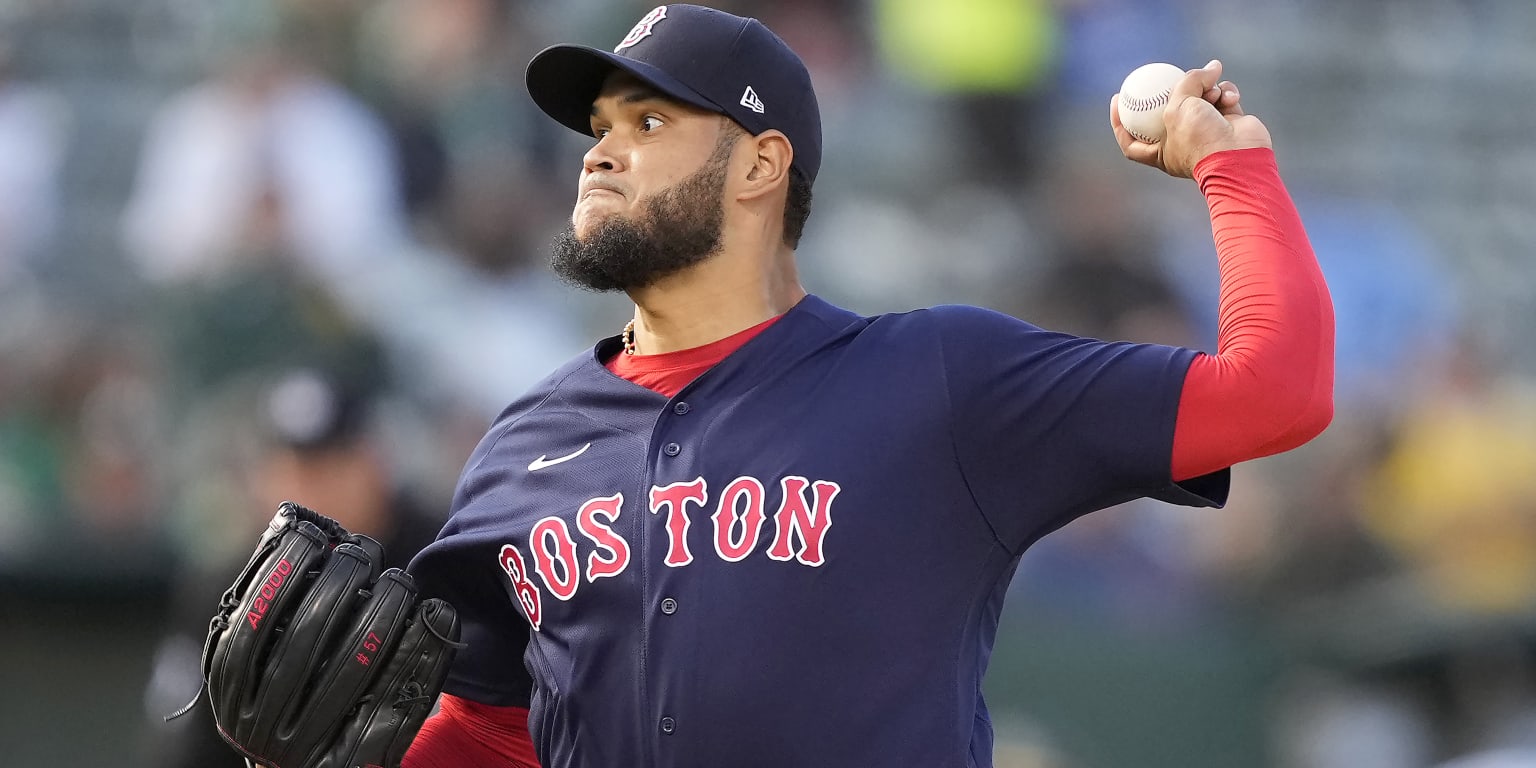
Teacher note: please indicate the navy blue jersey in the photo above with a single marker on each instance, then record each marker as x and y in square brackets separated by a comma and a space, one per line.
[799, 559]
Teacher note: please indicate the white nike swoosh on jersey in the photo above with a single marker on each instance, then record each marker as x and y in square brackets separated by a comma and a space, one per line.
[542, 462]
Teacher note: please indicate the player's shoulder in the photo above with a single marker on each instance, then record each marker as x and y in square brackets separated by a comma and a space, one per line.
[950, 319]
[543, 395]
[924, 332]
[538, 395]
[970, 315]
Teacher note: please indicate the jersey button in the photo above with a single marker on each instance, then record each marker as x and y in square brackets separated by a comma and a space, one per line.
[672, 449]
[668, 606]
[681, 408]
[668, 725]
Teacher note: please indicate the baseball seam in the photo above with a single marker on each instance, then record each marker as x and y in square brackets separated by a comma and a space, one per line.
[1144, 104]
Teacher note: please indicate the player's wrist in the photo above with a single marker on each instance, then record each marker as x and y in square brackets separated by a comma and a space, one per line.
[1233, 158]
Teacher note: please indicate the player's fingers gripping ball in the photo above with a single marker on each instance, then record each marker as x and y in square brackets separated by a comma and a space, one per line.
[1144, 97]
[315, 659]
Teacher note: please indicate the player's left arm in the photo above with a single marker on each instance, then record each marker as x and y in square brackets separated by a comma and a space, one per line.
[1269, 386]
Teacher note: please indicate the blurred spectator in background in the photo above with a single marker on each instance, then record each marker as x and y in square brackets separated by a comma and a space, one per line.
[265, 154]
[988, 62]
[318, 443]
[469, 298]
[269, 168]
[475, 170]
[1455, 496]
[1096, 268]
[33, 129]
[325, 31]
[1434, 645]
[38, 417]
[78, 425]
[328, 452]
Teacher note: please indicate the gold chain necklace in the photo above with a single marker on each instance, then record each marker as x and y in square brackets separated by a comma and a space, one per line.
[628, 337]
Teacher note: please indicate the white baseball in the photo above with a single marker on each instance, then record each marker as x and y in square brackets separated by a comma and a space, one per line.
[1143, 96]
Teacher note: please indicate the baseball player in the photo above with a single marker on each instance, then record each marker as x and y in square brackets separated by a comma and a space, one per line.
[754, 529]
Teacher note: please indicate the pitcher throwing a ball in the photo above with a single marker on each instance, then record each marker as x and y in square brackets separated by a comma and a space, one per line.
[754, 529]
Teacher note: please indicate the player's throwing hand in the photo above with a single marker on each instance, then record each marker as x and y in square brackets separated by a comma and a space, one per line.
[1204, 115]
[603, 569]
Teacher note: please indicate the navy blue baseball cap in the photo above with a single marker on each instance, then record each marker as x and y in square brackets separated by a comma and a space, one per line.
[700, 56]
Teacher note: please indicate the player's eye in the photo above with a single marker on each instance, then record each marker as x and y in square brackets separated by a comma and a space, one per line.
[650, 123]
[599, 133]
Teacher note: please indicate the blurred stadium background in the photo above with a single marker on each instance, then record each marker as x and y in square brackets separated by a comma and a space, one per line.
[259, 248]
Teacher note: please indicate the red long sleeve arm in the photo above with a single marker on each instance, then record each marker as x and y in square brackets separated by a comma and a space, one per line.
[1269, 387]
[466, 734]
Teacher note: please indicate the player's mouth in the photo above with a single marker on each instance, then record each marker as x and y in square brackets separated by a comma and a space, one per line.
[599, 189]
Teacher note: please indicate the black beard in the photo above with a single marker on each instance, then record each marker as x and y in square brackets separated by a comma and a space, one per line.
[679, 228]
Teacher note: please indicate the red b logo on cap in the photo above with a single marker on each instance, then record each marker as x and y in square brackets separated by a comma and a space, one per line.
[642, 28]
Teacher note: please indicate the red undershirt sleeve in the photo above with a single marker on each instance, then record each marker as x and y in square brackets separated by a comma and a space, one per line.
[467, 734]
[1269, 387]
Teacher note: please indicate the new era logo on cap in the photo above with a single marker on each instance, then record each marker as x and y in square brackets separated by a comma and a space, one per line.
[751, 101]
[642, 28]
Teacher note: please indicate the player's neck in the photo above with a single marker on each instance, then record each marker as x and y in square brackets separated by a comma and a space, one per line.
[728, 293]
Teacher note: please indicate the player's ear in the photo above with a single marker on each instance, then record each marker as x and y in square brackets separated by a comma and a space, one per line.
[771, 155]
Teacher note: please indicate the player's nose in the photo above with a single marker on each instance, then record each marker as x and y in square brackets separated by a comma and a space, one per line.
[602, 156]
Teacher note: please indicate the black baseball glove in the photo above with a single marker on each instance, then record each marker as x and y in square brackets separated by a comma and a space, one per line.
[315, 659]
